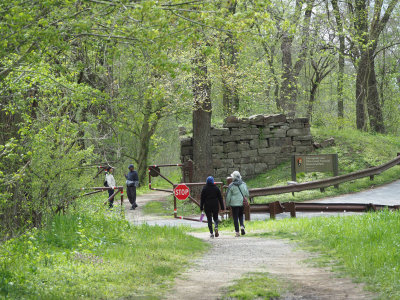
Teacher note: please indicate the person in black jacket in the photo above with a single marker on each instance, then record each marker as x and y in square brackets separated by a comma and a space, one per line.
[210, 196]
[132, 181]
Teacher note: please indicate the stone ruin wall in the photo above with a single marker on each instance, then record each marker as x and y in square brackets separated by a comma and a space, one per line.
[254, 145]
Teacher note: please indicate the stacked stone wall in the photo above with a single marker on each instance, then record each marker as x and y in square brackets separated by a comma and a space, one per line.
[254, 145]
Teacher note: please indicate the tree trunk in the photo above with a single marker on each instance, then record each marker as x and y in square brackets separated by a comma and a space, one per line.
[202, 154]
[339, 27]
[367, 94]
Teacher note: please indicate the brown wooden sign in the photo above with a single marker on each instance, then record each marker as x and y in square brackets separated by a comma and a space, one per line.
[314, 163]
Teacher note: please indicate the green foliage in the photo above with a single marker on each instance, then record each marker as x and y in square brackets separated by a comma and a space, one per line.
[364, 246]
[254, 286]
[89, 254]
[356, 151]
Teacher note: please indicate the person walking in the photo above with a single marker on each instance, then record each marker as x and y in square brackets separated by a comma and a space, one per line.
[132, 182]
[237, 190]
[210, 197]
[110, 183]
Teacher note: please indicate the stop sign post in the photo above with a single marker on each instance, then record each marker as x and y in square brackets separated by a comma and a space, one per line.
[181, 192]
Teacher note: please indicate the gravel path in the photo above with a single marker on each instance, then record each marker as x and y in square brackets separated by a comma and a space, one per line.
[230, 258]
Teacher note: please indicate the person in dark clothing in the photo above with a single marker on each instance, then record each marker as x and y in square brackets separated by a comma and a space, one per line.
[132, 181]
[210, 197]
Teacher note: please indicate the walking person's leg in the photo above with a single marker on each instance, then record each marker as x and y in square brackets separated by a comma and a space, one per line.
[241, 210]
[130, 196]
[235, 215]
[111, 202]
[209, 222]
[134, 196]
[215, 217]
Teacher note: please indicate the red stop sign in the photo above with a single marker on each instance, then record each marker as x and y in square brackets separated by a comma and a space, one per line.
[181, 192]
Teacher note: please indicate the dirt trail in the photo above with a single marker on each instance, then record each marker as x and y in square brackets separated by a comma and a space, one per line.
[230, 258]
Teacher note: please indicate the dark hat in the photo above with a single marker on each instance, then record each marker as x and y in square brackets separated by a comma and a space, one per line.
[131, 166]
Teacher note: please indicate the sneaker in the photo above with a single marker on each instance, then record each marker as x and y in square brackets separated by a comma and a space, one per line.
[133, 207]
[216, 232]
[242, 231]
[211, 236]
[237, 234]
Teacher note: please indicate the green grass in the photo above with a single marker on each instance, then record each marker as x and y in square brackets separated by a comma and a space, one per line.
[366, 247]
[96, 255]
[254, 286]
[356, 151]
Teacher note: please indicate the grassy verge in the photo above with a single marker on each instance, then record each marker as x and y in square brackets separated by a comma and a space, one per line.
[254, 286]
[356, 151]
[88, 254]
[366, 247]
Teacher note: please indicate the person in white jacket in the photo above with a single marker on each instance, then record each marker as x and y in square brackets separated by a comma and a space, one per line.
[110, 183]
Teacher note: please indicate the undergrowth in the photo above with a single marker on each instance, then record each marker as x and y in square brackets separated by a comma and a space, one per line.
[93, 253]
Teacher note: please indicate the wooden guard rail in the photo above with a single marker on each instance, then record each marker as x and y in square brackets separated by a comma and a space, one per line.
[324, 183]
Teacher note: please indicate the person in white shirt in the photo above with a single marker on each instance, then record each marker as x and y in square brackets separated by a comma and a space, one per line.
[110, 183]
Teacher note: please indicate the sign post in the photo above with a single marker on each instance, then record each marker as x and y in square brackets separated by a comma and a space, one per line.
[181, 192]
[315, 163]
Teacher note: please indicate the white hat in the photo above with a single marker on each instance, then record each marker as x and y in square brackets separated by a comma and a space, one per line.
[236, 175]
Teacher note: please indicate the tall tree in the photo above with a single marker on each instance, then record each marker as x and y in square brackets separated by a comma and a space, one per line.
[367, 37]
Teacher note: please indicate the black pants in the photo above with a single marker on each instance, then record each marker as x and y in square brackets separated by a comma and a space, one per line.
[131, 191]
[212, 214]
[237, 214]
[111, 202]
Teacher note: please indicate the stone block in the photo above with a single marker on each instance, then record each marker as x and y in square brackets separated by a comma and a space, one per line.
[277, 118]
[304, 149]
[236, 131]
[216, 139]
[278, 132]
[236, 154]
[302, 138]
[227, 162]
[269, 159]
[248, 153]
[328, 143]
[288, 149]
[229, 138]
[263, 144]
[186, 151]
[243, 146]
[298, 132]
[186, 141]
[231, 119]
[217, 163]
[219, 131]
[306, 143]
[248, 137]
[296, 125]
[279, 142]
[246, 170]
[231, 125]
[266, 131]
[280, 124]
[270, 150]
[256, 120]
[254, 144]
[230, 147]
[260, 168]
[301, 120]
[217, 149]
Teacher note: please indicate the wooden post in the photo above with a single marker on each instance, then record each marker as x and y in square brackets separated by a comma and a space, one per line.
[175, 211]
[247, 213]
[293, 169]
[335, 162]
